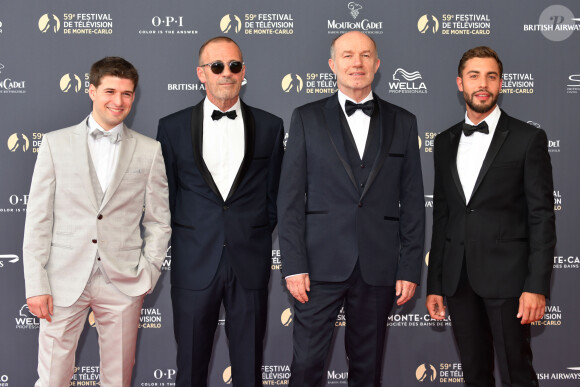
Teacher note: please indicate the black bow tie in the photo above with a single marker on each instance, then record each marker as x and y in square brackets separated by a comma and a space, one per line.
[367, 107]
[216, 115]
[469, 129]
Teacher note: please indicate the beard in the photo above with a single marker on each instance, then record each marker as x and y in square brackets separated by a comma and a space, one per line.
[483, 107]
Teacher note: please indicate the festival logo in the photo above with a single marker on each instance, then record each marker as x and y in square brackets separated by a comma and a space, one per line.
[426, 373]
[428, 24]
[230, 23]
[18, 142]
[76, 23]
[70, 82]
[275, 374]
[517, 83]
[286, 317]
[49, 22]
[292, 82]
[227, 375]
[458, 24]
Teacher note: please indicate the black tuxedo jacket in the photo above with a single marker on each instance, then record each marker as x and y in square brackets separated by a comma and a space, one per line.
[204, 225]
[506, 231]
[326, 224]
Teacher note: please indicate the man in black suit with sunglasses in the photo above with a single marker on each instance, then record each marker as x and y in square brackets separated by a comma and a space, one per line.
[223, 161]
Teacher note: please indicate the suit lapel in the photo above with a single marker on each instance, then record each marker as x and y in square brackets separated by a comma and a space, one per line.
[249, 144]
[197, 143]
[385, 119]
[501, 132]
[455, 136]
[81, 157]
[332, 112]
[126, 150]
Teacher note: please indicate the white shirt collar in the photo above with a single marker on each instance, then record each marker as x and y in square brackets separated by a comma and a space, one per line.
[209, 107]
[492, 119]
[342, 98]
[92, 125]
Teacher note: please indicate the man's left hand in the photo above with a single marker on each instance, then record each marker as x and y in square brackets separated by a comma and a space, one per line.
[405, 291]
[532, 306]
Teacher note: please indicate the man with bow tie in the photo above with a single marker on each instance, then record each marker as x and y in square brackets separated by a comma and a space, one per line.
[352, 217]
[494, 233]
[97, 231]
[223, 162]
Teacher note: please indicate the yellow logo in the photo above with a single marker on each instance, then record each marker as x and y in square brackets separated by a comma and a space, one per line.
[230, 23]
[286, 317]
[70, 82]
[292, 82]
[18, 141]
[91, 319]
[426, 372]
[49, 23]
[227, 375]
[428, 23]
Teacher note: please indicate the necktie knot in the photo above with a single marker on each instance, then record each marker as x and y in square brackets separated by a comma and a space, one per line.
[468, 130]
[112, 137]
[367, 108]
[217, 115]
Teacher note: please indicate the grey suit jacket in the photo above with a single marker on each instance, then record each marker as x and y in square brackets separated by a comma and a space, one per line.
[65, 226]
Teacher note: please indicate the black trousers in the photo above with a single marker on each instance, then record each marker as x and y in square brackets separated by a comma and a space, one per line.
[482, 324]
[195, 318]
[367, 309]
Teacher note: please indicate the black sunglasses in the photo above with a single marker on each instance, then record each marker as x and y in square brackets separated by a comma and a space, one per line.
[218, 67]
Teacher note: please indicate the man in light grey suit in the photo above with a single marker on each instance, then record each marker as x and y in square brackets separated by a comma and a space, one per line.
[97, 229]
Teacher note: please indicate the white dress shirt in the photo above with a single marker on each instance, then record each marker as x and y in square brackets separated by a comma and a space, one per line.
[103, 153]
[223, 146]
[359, 122]
[472, 150]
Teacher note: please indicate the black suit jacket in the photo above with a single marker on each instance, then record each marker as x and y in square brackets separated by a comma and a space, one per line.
[506, 232]
[326, 224]
[204, 225]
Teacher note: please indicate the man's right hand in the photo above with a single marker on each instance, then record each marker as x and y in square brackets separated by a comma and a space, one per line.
[298, 285]
[41, 306]
[435, 306]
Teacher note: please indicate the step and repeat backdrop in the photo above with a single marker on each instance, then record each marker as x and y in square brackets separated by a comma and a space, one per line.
[47, 47]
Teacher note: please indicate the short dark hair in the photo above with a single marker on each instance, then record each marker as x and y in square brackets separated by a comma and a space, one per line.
[341, 35]
[219, 39]
[479, 52]
[114, 66]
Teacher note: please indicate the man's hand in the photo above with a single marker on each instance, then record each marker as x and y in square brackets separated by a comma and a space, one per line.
[532, 306]
[298, 285]
[435, 307]
[405, 291]
[41, 306]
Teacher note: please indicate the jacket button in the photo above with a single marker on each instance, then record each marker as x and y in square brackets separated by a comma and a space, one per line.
[98, 258]
[360, 204]
[226, 207]
[468, 210]
[100, 217]
[94, 241]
